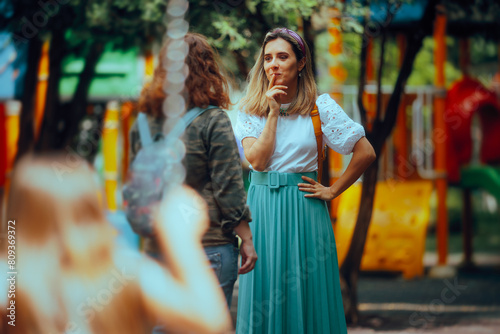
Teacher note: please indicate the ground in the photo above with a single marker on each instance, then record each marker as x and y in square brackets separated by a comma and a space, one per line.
[468, 302]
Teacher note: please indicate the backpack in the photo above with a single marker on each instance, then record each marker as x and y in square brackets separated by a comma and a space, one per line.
[153, 169]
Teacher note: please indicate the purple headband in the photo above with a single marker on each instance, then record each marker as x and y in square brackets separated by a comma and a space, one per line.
[295, 37]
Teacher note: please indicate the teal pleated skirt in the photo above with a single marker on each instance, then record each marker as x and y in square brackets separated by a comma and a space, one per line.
[294, 287]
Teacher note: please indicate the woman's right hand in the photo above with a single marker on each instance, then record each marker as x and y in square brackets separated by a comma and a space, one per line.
[273, 95]
[259, 151]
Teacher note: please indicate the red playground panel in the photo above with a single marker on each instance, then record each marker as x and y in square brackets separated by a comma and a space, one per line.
[466, 98]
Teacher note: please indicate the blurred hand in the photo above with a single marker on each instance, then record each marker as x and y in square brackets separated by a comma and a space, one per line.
[182, 213]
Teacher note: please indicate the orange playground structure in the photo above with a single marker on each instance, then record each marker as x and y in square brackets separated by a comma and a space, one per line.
[397, 233]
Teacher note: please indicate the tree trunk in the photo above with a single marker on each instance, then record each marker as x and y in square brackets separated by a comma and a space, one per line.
[350, 268]
[26, 139]
[78, 106]
[382, 128]
[309, 37]
[49, 134]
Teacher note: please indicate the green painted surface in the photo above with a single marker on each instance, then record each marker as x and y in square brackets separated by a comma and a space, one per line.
[119, 74]
[485, 177]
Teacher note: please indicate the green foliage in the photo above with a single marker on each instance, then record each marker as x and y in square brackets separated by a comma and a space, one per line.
[424, 70]
[240, 26]
[230, 37]
[352, 50]
[233, 25]
[124, 23]
[292, 9]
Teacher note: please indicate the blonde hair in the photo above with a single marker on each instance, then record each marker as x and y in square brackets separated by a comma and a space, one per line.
[52, 192]
[255, 102]
[75, 277]
[67, 248]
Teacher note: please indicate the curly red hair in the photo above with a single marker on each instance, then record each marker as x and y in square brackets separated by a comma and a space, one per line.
[205, 84]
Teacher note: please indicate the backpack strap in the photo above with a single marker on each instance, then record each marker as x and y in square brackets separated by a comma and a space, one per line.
[193, 113]
[189, 116]
[144, 133]
[186, 120]
[318, 133]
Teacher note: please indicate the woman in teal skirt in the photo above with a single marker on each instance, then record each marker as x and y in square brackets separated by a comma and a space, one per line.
[294, 287]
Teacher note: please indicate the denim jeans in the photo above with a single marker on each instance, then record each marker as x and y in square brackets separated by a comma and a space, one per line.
[224, 261]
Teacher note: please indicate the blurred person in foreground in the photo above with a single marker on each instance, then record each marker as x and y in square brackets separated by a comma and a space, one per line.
[295, 286]
[212, 162]
[73, 278]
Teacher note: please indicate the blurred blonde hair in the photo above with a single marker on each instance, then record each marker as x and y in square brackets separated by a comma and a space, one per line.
[67, 245]
[49, 193]
[255, 102]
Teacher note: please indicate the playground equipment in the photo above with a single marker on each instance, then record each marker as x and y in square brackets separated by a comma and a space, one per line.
[467, 98]
[396, 237]
[445, 161]
[393, 243]
[401, 212]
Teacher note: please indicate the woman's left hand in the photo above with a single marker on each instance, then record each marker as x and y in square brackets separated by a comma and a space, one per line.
[316, 189]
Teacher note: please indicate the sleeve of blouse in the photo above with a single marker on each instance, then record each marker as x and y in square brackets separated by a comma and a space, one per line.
[248, 126]
[339, 131]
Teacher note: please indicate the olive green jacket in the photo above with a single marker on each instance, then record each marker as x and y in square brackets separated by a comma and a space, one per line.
[213, 169]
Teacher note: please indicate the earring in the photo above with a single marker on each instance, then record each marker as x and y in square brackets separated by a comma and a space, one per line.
[300, 74]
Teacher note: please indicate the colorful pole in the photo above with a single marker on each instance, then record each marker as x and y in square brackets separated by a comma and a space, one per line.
[370, 99]
[12, 129]
[110, 141]
[3, 159]
[400, 133]
[338, 76]
[467, 212]
[12, 113]
[149, 66]
[3, 145]
[440, 136]
[126, 113]
[41, 88]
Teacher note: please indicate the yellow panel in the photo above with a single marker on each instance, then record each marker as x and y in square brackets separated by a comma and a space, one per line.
[396, 236]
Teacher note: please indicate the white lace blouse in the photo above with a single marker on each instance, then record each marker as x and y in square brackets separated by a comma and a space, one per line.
[295, 148]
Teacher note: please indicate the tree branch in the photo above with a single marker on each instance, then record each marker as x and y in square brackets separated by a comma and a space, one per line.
[362, 76]
[350, 267]
[26, 139]
[260, 17]
[414, 45]
[80, 98]
[49, 131]
[309, 39]
[378, 117]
